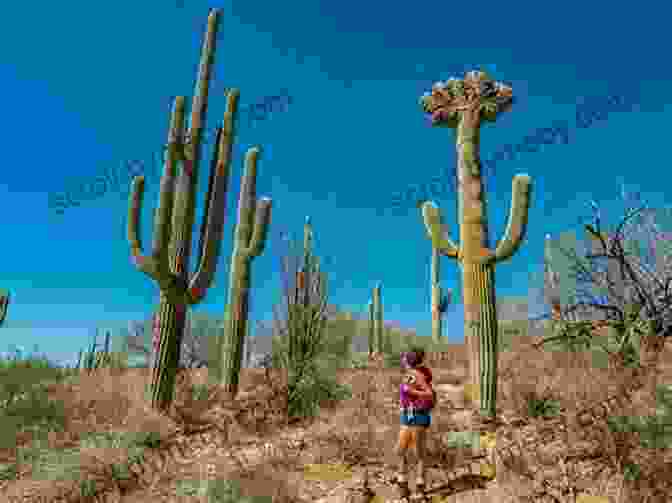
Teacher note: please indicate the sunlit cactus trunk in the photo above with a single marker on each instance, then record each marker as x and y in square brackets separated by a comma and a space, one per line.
[249, 242]
[168, 263]
[462, 105]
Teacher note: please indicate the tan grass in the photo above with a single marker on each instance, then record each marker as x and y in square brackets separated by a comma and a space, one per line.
[248, 440]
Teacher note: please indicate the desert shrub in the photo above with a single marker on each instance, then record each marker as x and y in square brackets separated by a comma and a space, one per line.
[542, 406]
[359, 361]
[24, 399]
[314, 389]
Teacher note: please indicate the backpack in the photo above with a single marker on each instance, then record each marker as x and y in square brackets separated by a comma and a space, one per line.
[410, 379]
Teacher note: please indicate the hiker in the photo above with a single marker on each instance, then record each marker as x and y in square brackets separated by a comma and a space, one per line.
[416, 400]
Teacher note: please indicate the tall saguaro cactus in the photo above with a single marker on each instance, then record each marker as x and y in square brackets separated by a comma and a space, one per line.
[372, 328]
[168, 263]
[462, 105]
[377, 318]
[439, 302]
[249, 242]
[4, 306]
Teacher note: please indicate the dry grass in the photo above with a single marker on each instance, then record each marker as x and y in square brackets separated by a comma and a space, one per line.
[206, 440]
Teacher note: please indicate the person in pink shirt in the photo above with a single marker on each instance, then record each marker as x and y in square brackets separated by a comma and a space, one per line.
[416, 401]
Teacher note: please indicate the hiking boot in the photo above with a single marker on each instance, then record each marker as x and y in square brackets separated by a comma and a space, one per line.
[420, 490]
[420, 486]
[402, 487]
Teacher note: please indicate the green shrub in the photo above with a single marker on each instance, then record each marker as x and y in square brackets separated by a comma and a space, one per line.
[24, 401]
[542, 407]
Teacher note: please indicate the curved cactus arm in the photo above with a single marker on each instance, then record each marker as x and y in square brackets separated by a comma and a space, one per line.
[517, 223]
[156, 265]
[213, 220]
[437, 230]
[211, 232]
[262, 217]
[256, 237]
[4, 306]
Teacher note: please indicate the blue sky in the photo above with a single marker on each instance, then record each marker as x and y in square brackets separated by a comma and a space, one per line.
[87, 89]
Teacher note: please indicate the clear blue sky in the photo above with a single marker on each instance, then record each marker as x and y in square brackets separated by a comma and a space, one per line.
[88, 86]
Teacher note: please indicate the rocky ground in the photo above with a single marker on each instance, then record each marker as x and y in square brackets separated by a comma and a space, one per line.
[558, 454]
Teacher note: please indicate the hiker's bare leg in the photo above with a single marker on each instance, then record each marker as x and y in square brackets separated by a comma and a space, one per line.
[421, 437]
[405, 438]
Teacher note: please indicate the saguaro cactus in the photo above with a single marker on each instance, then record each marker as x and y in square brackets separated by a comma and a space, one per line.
[372, 328]
[377, 315]
[439, 302]
[168, 263]
[4, 306]
[249, 242]
[462, 105]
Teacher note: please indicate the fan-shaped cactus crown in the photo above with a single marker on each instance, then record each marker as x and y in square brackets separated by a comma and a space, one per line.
[477, 90]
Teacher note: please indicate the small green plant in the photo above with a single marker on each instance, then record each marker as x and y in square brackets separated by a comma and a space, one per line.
[631, 471]
[542, 406]
[87, 488]
[359, 361]
[150, 439]
[227, 491]
[199, 391]
[461, 439]
[8, 471]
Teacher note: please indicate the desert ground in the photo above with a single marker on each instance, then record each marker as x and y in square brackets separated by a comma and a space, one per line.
[554, 441]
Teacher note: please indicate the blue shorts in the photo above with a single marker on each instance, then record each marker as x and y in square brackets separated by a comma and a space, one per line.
[419, 418]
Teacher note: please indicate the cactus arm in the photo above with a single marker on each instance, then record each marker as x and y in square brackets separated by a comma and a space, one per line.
[156, 265]
[4, 307]
[437, 230]
[517, 223]
[199, 103]
[211, 232]
[213, 219]
[262, 218]
[252, 228]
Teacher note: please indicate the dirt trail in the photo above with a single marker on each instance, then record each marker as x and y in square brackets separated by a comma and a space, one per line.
[203, 451]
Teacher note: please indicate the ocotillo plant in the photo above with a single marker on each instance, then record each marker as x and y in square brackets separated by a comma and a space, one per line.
[439, 302]
[168, 263]
[463, 105]
[4, 306]
[249, 242]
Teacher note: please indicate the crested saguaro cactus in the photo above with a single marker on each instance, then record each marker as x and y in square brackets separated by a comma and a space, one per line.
[4, 306]
[249, 242]
[168, 263]
[462, 105]
[439, 302]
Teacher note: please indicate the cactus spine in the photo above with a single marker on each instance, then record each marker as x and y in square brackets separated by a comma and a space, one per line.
[462, 105]
[4, 306]
[168, 263]
[249, 242]
[439, 302]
